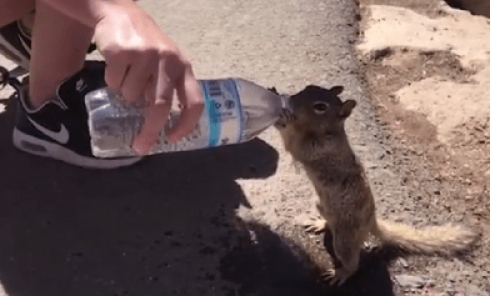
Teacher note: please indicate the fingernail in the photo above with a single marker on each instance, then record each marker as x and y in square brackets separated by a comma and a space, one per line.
[172, 138]
[141, 149]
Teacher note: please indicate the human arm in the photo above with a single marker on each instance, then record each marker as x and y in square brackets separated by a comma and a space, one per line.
[142, 63]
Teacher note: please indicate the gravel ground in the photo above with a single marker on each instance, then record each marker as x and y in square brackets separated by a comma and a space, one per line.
[441, 186]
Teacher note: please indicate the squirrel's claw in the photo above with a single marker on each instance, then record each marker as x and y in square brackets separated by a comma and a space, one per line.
[285, 116]
[334, 278]
[316, 226]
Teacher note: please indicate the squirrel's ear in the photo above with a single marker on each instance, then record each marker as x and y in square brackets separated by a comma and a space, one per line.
[337, 90]
[273, 89]
[346, 108]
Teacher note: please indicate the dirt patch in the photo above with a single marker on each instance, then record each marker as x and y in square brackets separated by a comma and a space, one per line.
[392, 69]
[427, 74]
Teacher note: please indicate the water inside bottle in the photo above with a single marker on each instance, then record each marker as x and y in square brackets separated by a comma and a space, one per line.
[237, 110]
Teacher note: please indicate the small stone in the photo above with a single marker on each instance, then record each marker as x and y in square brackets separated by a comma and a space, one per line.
[410, 281]
[430, 283]
[370, 165]
[403, 262]
[377, 54]
[451, 277]
[449, 288]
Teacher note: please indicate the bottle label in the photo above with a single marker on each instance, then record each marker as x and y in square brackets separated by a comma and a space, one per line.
[224, 111]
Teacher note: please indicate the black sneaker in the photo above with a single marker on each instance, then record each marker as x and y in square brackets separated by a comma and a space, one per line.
[15, 45]
[59, 128]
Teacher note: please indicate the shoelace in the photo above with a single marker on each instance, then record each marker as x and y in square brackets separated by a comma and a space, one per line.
[6, 78]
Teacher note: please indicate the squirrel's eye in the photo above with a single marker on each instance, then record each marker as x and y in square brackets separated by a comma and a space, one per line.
[320, 107]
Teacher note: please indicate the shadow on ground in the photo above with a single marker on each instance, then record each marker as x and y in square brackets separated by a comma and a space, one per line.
[162, 227]
[475, 7]
[266, 259]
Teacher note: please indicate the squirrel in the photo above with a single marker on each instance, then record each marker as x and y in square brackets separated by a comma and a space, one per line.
[312, 130]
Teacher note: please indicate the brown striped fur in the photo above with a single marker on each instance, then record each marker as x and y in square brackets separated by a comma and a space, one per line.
[313, 132]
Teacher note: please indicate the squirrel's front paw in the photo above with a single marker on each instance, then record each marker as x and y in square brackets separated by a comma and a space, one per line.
[285, 116]
[335, 277]
[316, 225]
[283, 119]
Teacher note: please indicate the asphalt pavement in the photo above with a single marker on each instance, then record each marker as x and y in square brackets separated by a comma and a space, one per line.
[168, 226]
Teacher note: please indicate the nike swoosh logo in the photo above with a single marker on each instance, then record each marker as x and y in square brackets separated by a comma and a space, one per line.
[62, 136]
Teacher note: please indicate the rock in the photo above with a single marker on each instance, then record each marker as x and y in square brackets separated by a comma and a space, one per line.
[370, 165]
[449, 288]
[410, 281]
[403, 262]
[377, 54]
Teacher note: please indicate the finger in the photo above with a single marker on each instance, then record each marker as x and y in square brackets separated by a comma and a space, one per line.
[136, 80]
[156, 114]
[115, 71]
[151, 129]
[191, 99]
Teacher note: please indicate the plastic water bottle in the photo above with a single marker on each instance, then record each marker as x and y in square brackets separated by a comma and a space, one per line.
[236, 111]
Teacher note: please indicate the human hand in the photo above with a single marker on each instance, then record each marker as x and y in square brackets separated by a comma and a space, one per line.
[146, 66]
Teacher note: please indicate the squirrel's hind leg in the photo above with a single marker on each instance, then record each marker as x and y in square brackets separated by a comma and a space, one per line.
[347, 251]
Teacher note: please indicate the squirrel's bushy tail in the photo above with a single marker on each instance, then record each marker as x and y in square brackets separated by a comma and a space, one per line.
[445, 240]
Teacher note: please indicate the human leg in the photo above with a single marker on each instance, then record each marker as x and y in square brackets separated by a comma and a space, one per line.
[59, 46]
[12, 10]
[51, 120]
